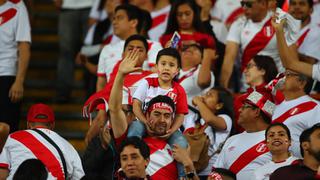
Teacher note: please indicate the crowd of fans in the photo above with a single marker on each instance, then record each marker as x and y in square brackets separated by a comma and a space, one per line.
[226, 98]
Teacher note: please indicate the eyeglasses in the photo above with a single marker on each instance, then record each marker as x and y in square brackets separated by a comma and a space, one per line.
[247, 4]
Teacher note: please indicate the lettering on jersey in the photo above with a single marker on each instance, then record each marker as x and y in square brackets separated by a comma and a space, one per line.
[173, 96]
[262, 147]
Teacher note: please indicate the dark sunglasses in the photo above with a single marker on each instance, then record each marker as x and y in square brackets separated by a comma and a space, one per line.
[247, 4]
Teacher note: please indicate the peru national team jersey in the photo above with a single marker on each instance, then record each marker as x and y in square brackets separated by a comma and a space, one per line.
[149, 88]
[227, 11]
[159, 23]
[298, 114]
[309, 42]
[14, 28]
[244, 32]
[27, 144]
[266, 170]
[243, 154]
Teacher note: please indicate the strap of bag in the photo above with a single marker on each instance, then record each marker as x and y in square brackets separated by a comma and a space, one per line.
[57, 148]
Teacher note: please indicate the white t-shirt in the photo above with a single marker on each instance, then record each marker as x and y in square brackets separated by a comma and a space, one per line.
[311, 43]
[14, 28]
[315, 17]
[225, 9]
[76, 4]
[27, 144]
[216, 140]
[316, 72]
[236, 145]
[112, 53]
[159, 21]
[99, 15]
[264, 172]
[220, 30]
[298, 122]
[243, 30]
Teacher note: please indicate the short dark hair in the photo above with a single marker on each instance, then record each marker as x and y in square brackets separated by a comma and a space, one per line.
[309, 82]
[162, 99]
[137, 143]
[133, 12]
[281, 125]
[310, 3]
[305, 136]
[138, 38]
[169, 52]
[267, 64]
[31, 169]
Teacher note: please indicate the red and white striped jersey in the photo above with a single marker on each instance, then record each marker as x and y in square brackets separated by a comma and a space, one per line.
[159, 23]
[149, 88]
[309, 41]
[27, 144]
[244, 153]
[227, 11]
[297, 118]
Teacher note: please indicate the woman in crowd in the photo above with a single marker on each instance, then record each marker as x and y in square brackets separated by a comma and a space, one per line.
[259, 71]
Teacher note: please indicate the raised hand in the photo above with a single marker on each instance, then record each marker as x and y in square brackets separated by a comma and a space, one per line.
[129, 62]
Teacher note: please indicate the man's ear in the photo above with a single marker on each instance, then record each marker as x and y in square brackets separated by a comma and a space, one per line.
[134, 23]
[306, 146]
[146, 161]
[219, 106]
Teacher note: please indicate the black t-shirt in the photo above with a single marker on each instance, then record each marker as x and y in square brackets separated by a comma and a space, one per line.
[296, 171]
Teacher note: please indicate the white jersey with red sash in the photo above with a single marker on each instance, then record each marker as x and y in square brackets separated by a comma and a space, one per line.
[243, 154]
[27, 144]
[266, 170]
[255, 38]
[14, 28]
[298, 114]
[309, 41]
[159, 23]
[227, 10]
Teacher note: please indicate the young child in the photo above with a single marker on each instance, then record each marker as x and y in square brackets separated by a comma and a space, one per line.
[168, 63]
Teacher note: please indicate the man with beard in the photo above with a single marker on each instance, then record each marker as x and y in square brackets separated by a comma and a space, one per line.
[306, 168]
[159, 114]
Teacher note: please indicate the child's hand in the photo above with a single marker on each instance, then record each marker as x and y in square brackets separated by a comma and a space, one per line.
[129, 63]
[196, 100]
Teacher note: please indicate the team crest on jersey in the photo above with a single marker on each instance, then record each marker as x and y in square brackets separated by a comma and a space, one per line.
[173, 96]
[268, 31]
[294, 111]
[262, 147]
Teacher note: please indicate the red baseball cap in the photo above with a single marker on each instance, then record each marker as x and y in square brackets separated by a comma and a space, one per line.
[40, 109]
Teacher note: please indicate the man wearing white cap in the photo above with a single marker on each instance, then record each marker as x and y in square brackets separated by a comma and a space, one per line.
[40, 142]
[245, 152]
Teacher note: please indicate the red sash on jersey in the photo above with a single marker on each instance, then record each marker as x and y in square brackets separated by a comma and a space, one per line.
[187, 75]
[41, 152]
[302, 37]
[248, 156]
[260, 41]
[234, 15]
[7, 15]
[158, 20]
[301, 108]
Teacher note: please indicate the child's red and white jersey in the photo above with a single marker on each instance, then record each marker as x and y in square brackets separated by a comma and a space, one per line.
[27, 144]
[162, 165]
[309, 41]
[244, 30]
[112, 53]
[264, 172]
[244, 146]
[159, 23]
[14, 28]
[227, 10]
[297, 118]
[149, 88]
[316, 71]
